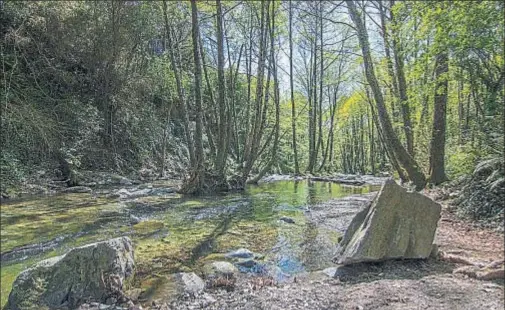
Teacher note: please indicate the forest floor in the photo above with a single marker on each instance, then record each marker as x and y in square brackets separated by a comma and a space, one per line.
[424, 284]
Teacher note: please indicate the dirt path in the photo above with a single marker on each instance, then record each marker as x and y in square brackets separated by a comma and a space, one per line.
[429, 284]
[462, 238]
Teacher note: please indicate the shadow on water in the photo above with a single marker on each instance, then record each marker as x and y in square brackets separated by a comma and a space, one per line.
[207, 245]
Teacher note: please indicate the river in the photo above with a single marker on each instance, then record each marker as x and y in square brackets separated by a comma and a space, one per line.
[172, 233]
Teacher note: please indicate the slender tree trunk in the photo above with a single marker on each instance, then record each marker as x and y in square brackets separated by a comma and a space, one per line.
[402, 88]
[180, 89]
[251, 143]
[437, 148]
[196, 183]
[392, 76]
[222, 147]
[293, 108]
[313, 106]
[461, 110]
[387, 149]
[321, 75]
[371, 142]
[413, 170]
[206, 120]
[273, 64]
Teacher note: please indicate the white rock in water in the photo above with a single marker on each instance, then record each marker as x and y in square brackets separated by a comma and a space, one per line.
[240, 253]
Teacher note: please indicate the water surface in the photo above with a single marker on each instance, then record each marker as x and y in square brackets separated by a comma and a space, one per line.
[175, 233]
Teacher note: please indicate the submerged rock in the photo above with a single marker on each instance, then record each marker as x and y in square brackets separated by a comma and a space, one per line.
[287, 220]
[246, 262]
[240, 253]
[94, 272]
[77, 189]
[218, 269]
[396, 224]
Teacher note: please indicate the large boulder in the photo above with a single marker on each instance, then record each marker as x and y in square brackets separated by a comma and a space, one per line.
[94, 272]
[395, 224]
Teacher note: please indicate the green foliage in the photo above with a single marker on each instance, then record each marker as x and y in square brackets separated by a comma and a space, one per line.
[461, 161]
[11, 171]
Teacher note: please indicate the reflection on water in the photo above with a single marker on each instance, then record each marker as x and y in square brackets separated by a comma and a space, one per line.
[179, 233]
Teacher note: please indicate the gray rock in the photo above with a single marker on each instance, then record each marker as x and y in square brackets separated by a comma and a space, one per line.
[246, 262]
[189, 282]
[77, 189]
[217, 269]
[93, 272]
[163, 191]
[339, 271]
[140, 193]
[123, 193]
[396, 224]
[240, 253]
[134, 219]
[330, 272]
[125, 181]
[287, 220]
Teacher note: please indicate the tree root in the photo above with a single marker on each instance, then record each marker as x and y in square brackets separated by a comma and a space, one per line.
[477, 270]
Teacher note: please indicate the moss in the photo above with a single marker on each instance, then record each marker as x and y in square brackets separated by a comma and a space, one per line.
[148, 227]
[254, 235]
[192, 204]
[9, 274]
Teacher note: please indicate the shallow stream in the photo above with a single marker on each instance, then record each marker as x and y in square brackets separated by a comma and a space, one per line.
[172, 233]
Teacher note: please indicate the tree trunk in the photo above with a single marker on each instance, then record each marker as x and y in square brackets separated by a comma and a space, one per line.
[321, 75]
[180, 90]
[413, 170]
[437, 147]
[273, 63]
[388, 150]
[207, 122]
[196, 184]
[293, 108]
[402, 88]
[222, 147]
[250, 150]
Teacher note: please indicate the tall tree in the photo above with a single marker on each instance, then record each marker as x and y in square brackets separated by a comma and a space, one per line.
[197, 183]
[253, 138]
[180, 90]
[413, 170]
[273, 65]
[222, 147]
[402, 84]
[437, 146]
[291, 87]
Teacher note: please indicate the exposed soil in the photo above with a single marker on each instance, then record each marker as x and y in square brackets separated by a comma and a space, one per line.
[427, 284]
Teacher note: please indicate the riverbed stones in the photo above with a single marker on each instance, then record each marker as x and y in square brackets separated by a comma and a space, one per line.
[395, 224]
[94, 272]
